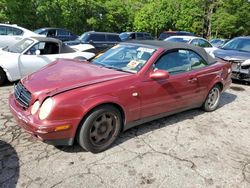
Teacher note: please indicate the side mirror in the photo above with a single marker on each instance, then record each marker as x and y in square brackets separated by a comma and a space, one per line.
[159, 75]
[37, 52]
[91, 42]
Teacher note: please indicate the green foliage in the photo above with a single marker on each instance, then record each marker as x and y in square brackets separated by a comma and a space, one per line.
[222, 18]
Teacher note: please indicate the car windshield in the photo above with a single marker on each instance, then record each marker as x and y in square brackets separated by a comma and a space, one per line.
[240, 44]
[38, 31]
[175, 39]
[124, 36]
[126, 58]
[20, 46]
[83, 37]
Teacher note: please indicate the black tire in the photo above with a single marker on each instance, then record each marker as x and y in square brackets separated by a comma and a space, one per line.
[213, 99]
[100, 129]
[3, 77]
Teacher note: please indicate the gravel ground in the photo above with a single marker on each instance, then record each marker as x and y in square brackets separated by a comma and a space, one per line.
[190, 149]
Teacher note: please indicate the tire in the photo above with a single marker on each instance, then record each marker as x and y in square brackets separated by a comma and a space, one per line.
[3, 77]
[100, 129]
[213, 99]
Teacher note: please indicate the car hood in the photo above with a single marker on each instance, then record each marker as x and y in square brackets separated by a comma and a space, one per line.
[231, 54]
[65, 74]
[73, 42]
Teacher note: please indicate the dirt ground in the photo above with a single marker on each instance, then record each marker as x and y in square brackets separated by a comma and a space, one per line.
[190, 149]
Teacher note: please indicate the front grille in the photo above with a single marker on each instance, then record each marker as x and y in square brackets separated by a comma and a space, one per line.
[22, 95]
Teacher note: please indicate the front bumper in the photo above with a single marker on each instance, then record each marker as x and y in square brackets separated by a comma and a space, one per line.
[239, 73]
[43, 130]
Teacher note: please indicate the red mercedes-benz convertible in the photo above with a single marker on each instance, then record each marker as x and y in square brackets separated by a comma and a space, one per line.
[131, 83]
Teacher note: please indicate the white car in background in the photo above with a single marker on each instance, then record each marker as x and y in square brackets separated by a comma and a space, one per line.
[31, 54]
[11, 34]
[197, 41]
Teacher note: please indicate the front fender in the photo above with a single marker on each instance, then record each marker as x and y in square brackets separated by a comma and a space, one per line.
[93, 102]
[11, 68]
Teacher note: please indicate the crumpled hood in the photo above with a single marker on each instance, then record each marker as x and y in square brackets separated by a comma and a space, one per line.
[65, 74]
[231, 54]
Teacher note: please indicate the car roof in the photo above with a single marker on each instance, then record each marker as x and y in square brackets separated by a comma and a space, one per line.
[177, 32]
[129, 32]
[244, 37]
[106, 33]
[47, 39]
[186, 37]
[48, 28]
[173, 45]
[15, 26]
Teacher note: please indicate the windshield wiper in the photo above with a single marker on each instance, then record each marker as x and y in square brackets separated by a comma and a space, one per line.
[117, 68]
[112, 67]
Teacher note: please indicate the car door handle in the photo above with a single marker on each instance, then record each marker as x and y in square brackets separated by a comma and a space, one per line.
[192, 80]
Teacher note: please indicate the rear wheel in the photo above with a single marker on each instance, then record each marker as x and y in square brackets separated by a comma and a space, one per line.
[3, 77]
[100, 129]
[213, 99]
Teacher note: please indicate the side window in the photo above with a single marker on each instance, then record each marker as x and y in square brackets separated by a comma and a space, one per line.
[61, 32]
[96, 37]
[132, 36]
[45, 48]
[139, 36]
[51, 48]
[13, 31]
[51, 33]
[174, 62]
[2, 30]
[203, 43]
[113, 38]
[32, 50]
[195, 42]
[147, 36]
[196, 61]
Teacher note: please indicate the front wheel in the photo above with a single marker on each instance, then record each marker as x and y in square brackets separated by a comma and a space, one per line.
[212, 100]
[3, 77]
[100, 129]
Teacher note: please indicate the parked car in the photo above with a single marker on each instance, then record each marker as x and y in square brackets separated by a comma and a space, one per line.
[11, 34]
[135, 36]
[237, 53]
[58, 33]
[129, 84]
[31, 54]
[218, 42]
[100, 40]
[197, 41]
[167, 34]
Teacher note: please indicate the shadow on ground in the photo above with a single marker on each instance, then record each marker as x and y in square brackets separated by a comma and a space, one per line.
[226, 98]
[9, 165]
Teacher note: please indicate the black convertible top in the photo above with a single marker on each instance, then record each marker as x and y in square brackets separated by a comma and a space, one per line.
[174, 45]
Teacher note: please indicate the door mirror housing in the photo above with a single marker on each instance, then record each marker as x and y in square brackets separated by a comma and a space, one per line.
[159, 75]
[37, 52]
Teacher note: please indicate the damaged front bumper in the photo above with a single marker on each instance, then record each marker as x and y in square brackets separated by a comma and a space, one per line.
[240, 71]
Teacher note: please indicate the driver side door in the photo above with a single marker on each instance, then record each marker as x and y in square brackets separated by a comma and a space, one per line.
[177, 92]
[30, 62]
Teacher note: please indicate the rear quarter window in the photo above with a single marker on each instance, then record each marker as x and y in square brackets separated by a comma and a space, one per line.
[61, 32]
[97, 37]
[113, 38]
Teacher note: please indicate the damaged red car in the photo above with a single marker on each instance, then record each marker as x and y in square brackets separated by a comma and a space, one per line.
[131, 83]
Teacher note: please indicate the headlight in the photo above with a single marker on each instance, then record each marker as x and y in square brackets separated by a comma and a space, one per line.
[246, 63]
[35, 107]
[45, 108]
